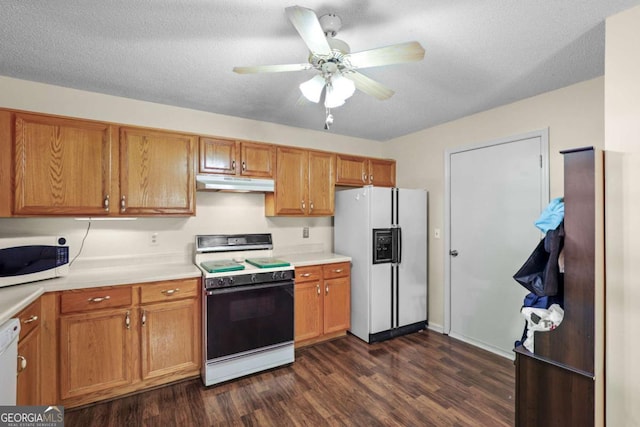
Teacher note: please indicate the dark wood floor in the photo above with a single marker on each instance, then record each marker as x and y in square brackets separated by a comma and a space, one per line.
[422, 379]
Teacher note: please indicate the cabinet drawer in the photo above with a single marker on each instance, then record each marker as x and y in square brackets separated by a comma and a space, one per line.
[308, 274]
[169, 290]
[342, 269]
[95, 299]
[29, 318]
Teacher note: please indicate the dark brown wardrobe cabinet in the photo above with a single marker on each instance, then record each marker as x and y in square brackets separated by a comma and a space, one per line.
[562, 382]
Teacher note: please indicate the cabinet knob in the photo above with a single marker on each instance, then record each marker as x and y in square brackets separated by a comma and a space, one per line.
[22, 363]
[144, 317]
[304, 206]
[106, 203]
[99, 299]
[318, 289]
[364, 177]
[244, 166]
[371, 179]
[233, 165]
[337, 270]
[33, 318]
[169, 292]
[123, 203]
[127, 320]
[306, 274]
[326, 289]
[310, 206]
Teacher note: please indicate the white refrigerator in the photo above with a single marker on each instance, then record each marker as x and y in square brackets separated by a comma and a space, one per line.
[384, 231]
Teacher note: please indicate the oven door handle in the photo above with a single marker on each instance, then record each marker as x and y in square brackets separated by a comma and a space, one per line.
[248, 288]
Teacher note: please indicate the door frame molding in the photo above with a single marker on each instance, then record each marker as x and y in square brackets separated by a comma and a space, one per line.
[543, 134]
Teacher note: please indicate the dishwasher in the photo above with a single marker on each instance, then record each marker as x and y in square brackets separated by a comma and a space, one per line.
[9, 333]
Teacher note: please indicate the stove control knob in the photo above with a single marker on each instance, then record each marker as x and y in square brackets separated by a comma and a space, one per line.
[274, 275]
[221, 281]
[283, 274]
[253, 278]
[231, 280]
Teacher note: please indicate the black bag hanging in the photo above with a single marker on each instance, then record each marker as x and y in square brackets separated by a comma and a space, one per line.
[540, 274]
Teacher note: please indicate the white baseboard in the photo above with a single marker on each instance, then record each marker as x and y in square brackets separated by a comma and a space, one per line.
[508, 355]
[435, 327]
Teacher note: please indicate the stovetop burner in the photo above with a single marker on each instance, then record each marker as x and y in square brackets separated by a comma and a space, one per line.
[221, 266]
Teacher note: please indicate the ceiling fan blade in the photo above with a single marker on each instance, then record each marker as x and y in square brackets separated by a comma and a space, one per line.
[394, 54]
[272, 68]
[369, 86]
[306, 23]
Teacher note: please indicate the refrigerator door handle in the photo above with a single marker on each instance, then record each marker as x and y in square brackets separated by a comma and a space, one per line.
[396, 245]
[399, 244]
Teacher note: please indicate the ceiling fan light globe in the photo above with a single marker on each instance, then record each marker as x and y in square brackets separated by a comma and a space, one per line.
[344, 87]
[312, 88]
[333, 98]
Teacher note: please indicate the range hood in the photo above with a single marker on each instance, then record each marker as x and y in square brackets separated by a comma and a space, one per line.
[233, 183]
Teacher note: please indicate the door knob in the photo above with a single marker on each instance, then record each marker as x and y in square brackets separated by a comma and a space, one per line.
[453, 253]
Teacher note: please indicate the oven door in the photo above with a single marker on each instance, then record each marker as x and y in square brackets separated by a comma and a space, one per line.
[248, 318]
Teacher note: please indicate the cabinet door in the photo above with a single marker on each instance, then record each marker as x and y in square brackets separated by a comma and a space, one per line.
[170, 334]
[291, 182]
[258, 160]
[61, 166]
[321, 183]
[95, 351]
[352, 170]
[382, 173]
[156, 173]
[337, 301]
[29, 370]
[308, 310]
[217, 156]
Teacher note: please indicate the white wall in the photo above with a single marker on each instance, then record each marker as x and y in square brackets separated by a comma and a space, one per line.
[215, 212]
[574, 116]
[622, 205]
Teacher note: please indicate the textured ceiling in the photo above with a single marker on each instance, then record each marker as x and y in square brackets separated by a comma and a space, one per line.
[479, 54]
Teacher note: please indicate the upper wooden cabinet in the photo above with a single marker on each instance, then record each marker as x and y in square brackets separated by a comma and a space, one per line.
[358, 171]
[156, 172]
[61, 166]
[304, 183]
[243, 158]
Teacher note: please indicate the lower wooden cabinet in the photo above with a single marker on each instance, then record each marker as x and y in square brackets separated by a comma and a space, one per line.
[322, 302]
[168, 314]
[95, 352]
[150, 337]
[29, 352]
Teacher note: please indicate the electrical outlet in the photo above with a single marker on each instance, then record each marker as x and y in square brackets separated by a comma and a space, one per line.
[436, 233]
[305, 232]
[154, 239]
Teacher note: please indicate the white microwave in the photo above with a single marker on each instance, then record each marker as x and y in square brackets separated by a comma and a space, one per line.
[25, 259]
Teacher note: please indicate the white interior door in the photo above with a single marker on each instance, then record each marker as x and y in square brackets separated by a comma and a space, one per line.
[496, 192]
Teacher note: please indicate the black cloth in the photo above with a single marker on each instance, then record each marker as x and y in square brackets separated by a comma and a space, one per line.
[540, 273]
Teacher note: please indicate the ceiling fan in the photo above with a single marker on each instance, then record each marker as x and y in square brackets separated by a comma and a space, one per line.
[337, 67]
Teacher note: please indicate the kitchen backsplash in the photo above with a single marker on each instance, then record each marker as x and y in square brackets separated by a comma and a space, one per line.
[216, 213]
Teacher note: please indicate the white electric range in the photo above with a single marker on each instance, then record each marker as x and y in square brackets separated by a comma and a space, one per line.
[248, 305]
